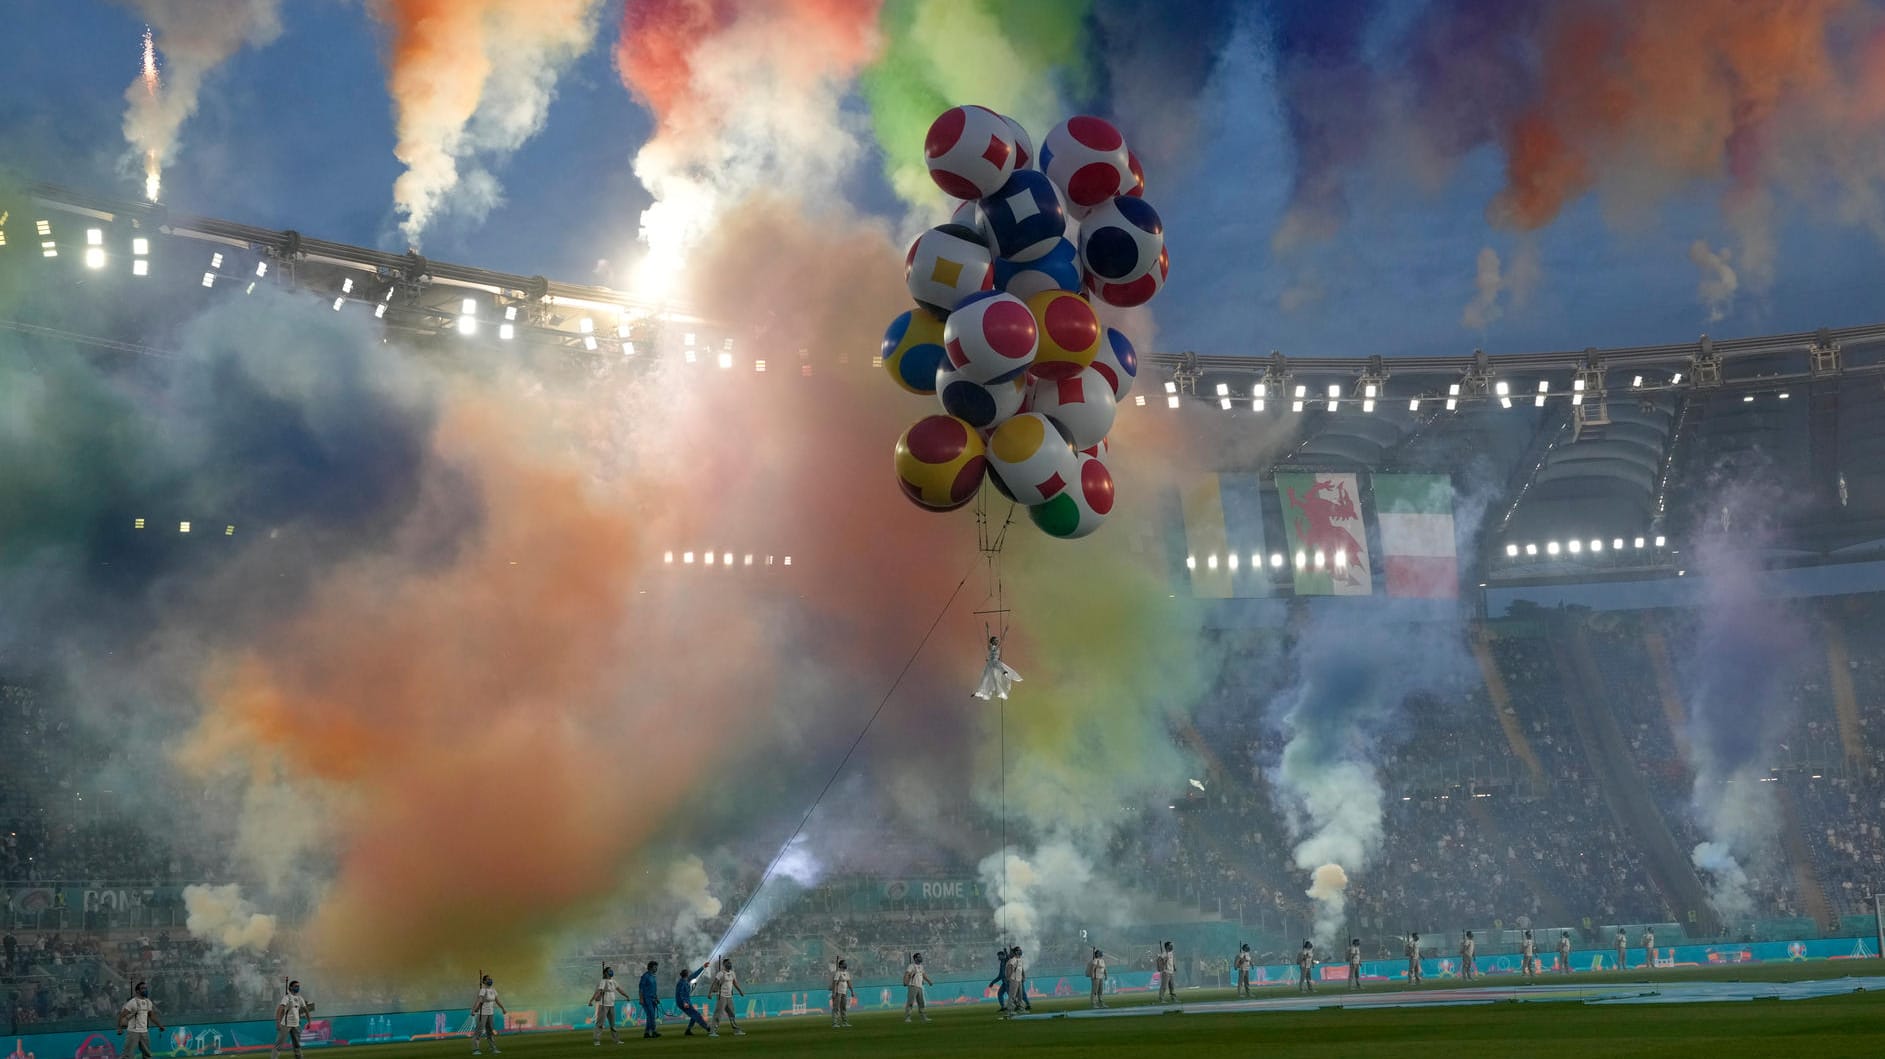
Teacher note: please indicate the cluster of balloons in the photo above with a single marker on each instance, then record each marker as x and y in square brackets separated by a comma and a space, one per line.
[1004, 336]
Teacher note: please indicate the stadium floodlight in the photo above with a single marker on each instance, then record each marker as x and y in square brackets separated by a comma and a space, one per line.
[1295, 406]
[749, 559]
[1370, 390]
[1276, 560]
[1531, 549]
[209, 279]
[1597, 546]
[1636, 383]
[1639, 542]
[48, 248]
[137, 523]
[261, 269]
[140, 247]
[506, 332]
[379, 311]
[726, 360]
[1302, 559]
[1659, 540]
[1301, 390]
[346, 285]
[44, 228]
[1747, 398]
[1170, 386]
[1577, 384]
[1616, 545]
[140, 267]
[1452, 403]
[229, 530]
[687, 558]
[1335, 395]
[1321, 558]
[1223, 389]
[1783, 395]
[1511, 551]
[1224, 403]
[622, 327]
[94, 237]
[1256, 404]
[688, 340]
[667, 557]
[183, 527]
[1191, 562]
[628, 349]
[216, 260]
[1501, 388]
[787, 561]
[589, 343]
[1231, 560]
[467, 325]
[1413, 404]
[94, 257]
[1341, 558]
[1453, 389]
[726, 558]
[1551, 548]
[250, 289]
[759, 368]
[1259, 390]
[338, 302]
[1138, 399]
[1210, 562]
[1367, 404]
[510, 312]
[1575, 546]
[586, 326]
[468, 307]
[1172, 401]
[1676, 379]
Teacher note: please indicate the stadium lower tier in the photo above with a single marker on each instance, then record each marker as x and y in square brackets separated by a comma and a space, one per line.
[182, 1038]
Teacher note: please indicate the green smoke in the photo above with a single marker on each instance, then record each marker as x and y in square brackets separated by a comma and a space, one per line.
[1020, 59]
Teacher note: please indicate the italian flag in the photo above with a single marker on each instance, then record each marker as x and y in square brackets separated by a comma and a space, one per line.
[1415, 513]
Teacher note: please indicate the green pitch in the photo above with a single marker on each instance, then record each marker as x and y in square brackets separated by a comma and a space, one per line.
[1847, 1025]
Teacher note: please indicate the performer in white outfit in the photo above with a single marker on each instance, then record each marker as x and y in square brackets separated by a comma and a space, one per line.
[608, 990]
[997, 675]
[1305, 966]
[1564, 952]
[135, 1020]
[1017, 982]
[1528, 956]
[1649, 947]
[1413, 959]
[1244, 961]
[1167, 973]
[484, 1009]
[725, 984]
[1096, 973]
[915, 978]
[1354, 963]
[842, 994]
[290, 1010]
[1469, 967]
[1623, 949]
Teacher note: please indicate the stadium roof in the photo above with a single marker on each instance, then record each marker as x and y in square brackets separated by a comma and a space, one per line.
[1574, 445]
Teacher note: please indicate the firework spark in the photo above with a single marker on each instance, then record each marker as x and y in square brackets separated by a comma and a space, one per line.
[153, 172]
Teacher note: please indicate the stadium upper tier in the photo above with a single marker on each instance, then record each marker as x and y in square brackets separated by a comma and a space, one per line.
[1576, 444]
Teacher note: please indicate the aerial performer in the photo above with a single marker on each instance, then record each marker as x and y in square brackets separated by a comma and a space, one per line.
[997, 675]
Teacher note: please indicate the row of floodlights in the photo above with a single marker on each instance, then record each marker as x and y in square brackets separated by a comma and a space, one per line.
[725, 559]
[1305, 560]
[229, 530]
[1299, 398]
[1594, 546]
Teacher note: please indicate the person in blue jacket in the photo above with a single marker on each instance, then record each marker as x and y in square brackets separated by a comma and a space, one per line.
[650, 1000]
[1001, 976]
[684, 1000]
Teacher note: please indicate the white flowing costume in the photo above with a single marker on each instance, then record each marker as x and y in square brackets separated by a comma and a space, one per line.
[997, 675]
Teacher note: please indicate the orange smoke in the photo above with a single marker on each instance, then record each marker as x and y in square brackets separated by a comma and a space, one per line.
[497, 733]
[663, 52]
[450, 60]
[1671, 88]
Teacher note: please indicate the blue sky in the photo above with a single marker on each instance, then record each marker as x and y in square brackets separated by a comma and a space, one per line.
[299, 134]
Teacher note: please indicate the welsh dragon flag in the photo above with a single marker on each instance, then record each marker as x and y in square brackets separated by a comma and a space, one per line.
[1328, 546]
[1415, 512]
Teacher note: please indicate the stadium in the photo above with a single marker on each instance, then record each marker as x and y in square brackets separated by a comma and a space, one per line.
[408, 653]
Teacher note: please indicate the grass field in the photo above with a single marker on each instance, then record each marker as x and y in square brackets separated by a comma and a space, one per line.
[1847, 1025]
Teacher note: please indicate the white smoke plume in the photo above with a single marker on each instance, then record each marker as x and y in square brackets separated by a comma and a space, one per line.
[194, 37]
[1328, 887]
[471, 81]
[795, 869]
[1728, 888]
[1498, 287]
[1716, 282]
[221, 916]
[1056, 887]
[686, 888]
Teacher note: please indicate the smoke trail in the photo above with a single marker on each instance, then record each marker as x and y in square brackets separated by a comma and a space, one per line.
[1746, 648]
[686, 889]
[220, 915]
[747, 97]
[471, 81]
[1484, 308]
[1717, 282]
[1056, 888]
[196, 36]
[1328, 888]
